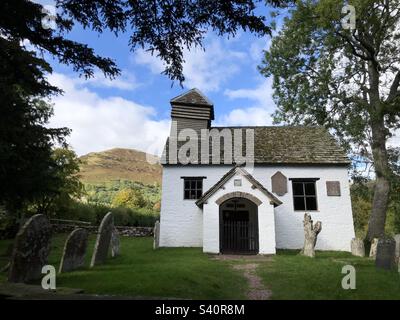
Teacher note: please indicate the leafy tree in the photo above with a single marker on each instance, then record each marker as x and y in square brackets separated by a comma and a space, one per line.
[28, 172]
[65, 185]
[129, 198]
[347, 80]
[361, 196]
[165, 27]
[25, 142]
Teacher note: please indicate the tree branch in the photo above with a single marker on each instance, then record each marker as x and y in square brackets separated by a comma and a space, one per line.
[393, 93]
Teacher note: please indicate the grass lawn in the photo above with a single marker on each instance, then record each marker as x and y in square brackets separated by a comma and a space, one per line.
[188, 273]
[141, 271]
[291, 276]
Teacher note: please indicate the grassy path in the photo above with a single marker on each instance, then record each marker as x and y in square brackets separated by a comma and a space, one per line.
[257, 290]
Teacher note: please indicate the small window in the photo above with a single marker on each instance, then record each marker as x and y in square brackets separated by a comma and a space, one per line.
[237, 182]
[193, 188]
[304, 195]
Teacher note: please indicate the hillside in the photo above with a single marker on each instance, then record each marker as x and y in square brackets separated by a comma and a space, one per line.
[119, 164]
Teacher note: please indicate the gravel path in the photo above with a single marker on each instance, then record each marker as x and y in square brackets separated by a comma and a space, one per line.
[257, 291]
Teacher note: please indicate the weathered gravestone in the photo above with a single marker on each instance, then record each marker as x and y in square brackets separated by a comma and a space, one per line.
[103, 240]
[74, 250]
[156, 232]
[114, 243]
[374, 245]
[385, 254]
[357, 247]
[397, 239]
[31, 250]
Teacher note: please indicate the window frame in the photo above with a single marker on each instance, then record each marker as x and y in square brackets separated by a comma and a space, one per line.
[304, 196]
[190, 189]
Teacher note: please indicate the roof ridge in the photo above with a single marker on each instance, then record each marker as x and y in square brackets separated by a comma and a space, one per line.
[201, 94]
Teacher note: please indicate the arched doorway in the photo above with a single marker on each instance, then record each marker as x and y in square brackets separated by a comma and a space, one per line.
[238, 226]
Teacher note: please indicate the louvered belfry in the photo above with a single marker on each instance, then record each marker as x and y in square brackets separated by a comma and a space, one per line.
[192, 110]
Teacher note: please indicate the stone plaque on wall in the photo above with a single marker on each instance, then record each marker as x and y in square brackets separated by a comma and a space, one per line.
[333, 188]
[279, 183]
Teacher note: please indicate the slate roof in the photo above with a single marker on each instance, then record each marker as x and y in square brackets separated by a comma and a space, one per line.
[193, 96]
[237, 170]
[287, 145]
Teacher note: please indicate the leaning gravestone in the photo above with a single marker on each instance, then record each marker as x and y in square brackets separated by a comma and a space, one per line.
[103, 240]
[357, 247]
[374, 245]
[114, 243]
[74, 250]
[156, 231]
[31, 249]
[385, 254]
[397, 239]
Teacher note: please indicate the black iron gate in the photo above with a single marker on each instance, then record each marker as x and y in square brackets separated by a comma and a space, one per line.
[238, 234]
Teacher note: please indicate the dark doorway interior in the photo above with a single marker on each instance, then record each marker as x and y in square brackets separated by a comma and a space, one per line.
[238, 227]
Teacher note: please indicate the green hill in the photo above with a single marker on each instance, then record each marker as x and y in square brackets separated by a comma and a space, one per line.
[119, 164]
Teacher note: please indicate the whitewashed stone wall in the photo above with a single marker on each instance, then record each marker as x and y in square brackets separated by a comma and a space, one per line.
[182, 221]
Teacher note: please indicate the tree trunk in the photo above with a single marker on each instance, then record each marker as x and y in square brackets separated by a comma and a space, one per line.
[376, 225]
[310, 235]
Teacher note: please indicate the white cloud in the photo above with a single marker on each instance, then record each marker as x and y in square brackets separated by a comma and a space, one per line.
[103, 123]
[144, 57]
[258, 114]
[126, 81]
[207, 69]
[394, 141]
[252, 116]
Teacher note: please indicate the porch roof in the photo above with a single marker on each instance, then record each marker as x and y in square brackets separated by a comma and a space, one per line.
[237, 170]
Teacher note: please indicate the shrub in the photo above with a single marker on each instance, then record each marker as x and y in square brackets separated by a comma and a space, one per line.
[94, 213]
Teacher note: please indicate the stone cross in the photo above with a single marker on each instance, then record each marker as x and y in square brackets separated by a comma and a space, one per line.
[31, 250]
[103, 240]
[74, 250]
[310, 235]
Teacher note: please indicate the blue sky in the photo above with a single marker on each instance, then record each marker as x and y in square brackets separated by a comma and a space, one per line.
[133, 111]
